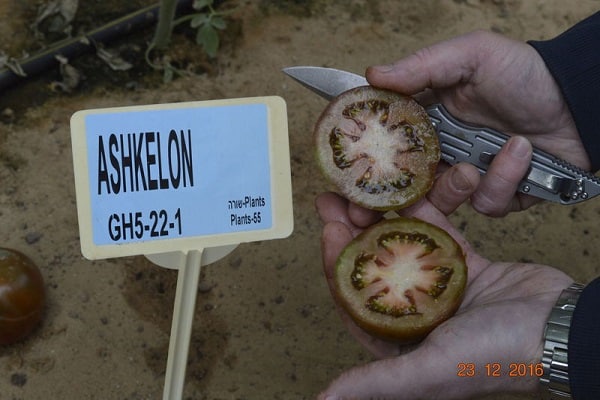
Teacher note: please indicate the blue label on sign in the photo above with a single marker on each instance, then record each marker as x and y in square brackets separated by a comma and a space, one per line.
[174, 173]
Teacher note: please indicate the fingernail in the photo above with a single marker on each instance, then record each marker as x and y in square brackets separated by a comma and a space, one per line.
[383, 68]
[459, 181]
[519, 147]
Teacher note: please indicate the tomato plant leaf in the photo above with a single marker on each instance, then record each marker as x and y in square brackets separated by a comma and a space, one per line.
[199, 20]
[208, 38]
[200, 4]
[218, 23]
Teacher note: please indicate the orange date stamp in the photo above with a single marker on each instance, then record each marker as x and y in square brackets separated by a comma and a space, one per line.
[496, 370]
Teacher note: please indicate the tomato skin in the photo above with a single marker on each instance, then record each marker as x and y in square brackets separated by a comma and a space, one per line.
[22, 296]
[431, 310]
[377, 147]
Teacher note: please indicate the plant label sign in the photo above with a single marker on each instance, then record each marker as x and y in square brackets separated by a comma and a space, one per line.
[184, 176]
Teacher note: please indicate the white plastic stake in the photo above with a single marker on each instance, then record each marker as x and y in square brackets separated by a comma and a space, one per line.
[188, 276]
[183, 184]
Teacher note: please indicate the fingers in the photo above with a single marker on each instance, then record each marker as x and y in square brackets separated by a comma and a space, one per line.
[438, 66]
[492, 194]
[496, 193]
[363, 217]
[450, 190]
[454, 187]
[398, 378]
[368, 381]
[332, 207]
[335, 237]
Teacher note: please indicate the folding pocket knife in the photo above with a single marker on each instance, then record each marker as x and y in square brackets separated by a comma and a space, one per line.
[549, 178]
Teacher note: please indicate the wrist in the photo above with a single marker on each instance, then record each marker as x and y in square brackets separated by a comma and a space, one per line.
[555, 379]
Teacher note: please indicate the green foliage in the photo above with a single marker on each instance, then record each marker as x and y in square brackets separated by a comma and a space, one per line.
[207, 22]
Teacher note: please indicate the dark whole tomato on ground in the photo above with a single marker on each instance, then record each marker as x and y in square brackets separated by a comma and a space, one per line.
[401, 278]
[22, 296]
[378, 148]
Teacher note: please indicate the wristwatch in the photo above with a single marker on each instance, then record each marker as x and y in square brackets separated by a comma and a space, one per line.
[555, 378]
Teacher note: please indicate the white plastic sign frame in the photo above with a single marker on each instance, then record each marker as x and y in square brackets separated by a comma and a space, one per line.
[181, 177]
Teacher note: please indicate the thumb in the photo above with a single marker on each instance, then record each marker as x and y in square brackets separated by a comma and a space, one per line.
[398, 378]
[440, 65]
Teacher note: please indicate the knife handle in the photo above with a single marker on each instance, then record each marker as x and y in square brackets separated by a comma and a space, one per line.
[548, 178]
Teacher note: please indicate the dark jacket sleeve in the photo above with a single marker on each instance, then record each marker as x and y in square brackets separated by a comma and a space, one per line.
[574, 60]
[584, 345]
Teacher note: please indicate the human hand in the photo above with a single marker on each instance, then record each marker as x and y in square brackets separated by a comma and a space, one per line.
[490, 80]
[500, 322]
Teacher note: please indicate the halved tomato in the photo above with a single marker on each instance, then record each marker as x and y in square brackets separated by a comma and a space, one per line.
[401, 278]
[378, 147]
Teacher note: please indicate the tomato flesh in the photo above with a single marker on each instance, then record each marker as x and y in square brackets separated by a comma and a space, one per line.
[378, 147]
[401, 278]
[22, 296]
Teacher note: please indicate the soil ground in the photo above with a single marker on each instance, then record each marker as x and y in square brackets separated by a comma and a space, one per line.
[265, 325]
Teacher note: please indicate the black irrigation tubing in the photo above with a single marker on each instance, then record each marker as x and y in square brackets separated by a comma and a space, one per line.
[71, 48]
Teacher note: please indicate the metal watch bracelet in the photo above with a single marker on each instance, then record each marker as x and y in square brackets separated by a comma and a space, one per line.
[555, 379]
